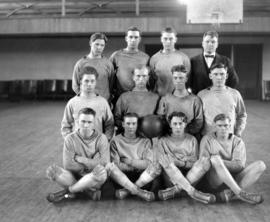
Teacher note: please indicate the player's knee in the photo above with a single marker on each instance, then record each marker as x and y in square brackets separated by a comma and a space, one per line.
[102, 177]
[204, 162]
[110, 167]
[154, 169]
[261, 165]
[51, 173]
[100, 171]
[215, 160]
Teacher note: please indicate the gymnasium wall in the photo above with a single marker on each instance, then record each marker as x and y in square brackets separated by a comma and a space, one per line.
[52, 57]
[266, 61]
[40, 57]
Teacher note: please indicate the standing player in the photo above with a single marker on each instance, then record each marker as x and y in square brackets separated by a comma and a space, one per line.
[201, 65]
[162, 62]
[85, 154]
[227, 154]
[103, 66]
[132, 159]
[178, 155]
[139, 100]
[88, 98]
[182, 100]
[220, 98]
[125, 60]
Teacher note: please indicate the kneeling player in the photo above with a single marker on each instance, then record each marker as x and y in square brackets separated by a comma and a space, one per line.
[85, 154]
[132, 158]
[227, 155]
[177, 156]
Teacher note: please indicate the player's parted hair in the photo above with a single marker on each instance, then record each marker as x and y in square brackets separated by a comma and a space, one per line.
[169, 30]
[134, 29]
[218, 66]
[98, 35]
[130, 115]
[179, 68]
[89, 70]
[221, 117]
[140, 68]
[212, 34]
[87, 111]
[177, 114]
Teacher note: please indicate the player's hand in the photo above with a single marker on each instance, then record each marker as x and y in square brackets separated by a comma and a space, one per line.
[179, 163]
[79, 159]
[126, 160]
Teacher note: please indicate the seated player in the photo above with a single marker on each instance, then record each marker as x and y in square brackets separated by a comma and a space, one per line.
[132, 159]
[227, 155]
[220, 98]
[183, 101]
[178, 157]
[104, 122]
[85, 154]
[139, 100]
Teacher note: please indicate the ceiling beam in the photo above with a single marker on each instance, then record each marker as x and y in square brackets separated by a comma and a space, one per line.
[23, 6]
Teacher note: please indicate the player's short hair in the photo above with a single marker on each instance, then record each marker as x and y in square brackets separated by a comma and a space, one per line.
[133, 29]
[98, 35]
[169, 30]
[177, 114]
[218, 66]
[87, 111]
[127, 115]
[140, 68]
[89, 70]
[179, 68]
[212, 34]
[221, 117]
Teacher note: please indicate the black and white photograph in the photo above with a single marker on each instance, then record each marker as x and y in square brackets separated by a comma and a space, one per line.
[134, 110]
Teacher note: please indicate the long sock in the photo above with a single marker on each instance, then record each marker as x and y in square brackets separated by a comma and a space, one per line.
[122, 179]
[178, 179]
[198, 170]
[89, 181]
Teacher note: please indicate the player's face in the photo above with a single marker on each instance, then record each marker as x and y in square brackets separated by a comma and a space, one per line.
[86, 123]
[140, 77]
[179, 80]
[88, 83]
[209, 44]
[178, 126]
[168, 40]
[218, 77]
[223, 128]
[97, 47]
[133, 39]
[130, 125]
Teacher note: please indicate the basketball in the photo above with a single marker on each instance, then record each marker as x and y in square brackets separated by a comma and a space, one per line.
[151, 126]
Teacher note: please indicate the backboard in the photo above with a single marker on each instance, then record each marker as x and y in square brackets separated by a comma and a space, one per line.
[214, 11]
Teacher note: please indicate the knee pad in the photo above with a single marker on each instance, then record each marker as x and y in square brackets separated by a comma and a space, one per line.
[110, 168]
[215, 160]
[205, 163]
[100, 172]
[261, 165]
[154, 169]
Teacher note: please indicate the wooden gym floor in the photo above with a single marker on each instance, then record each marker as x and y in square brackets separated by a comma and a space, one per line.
[30, 140]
